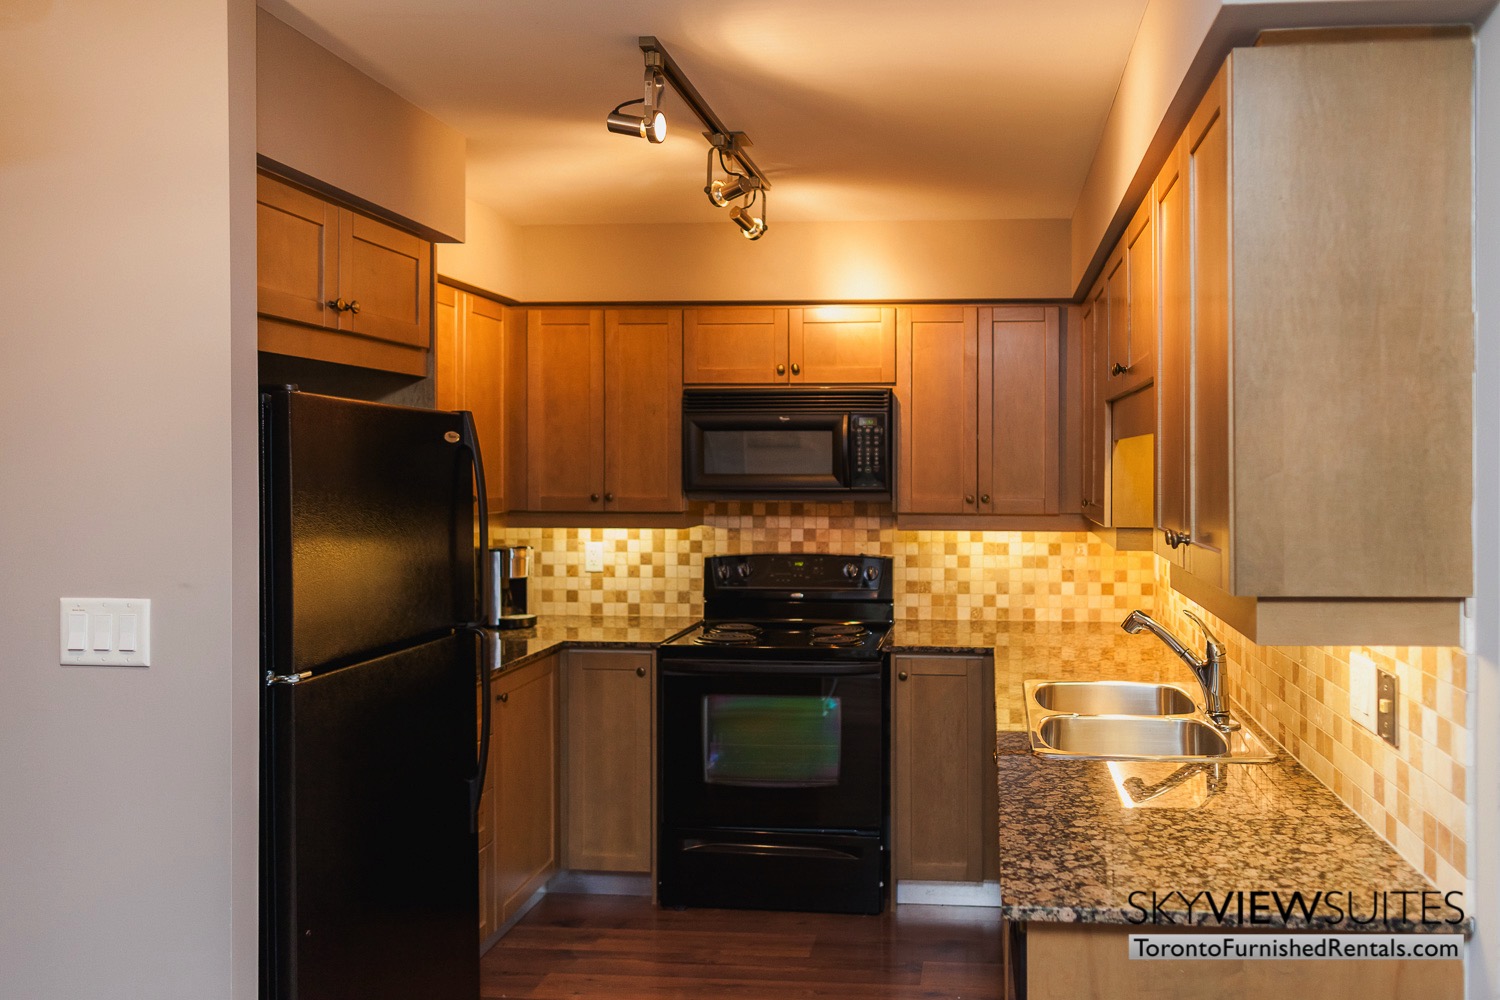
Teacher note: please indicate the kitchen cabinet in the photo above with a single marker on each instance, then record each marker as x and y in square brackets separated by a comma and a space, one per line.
[604, 410]
[1094, 334]
[518, 813]
[336, 285]
[1061, 961]
[1317, 357]
[474, 348]
[773, 345]
[978, 399]
[1132, 329]
[943, 808]
[608, 801]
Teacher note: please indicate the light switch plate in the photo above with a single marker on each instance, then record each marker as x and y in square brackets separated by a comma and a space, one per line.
[1387, 698]
[111, 631]
[1362, 691]
[593, 557]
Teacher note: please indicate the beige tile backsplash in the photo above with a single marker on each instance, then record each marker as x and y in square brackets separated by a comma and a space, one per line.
[1412, 795]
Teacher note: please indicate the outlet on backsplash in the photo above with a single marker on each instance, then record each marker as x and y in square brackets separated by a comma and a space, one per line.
[593, 557]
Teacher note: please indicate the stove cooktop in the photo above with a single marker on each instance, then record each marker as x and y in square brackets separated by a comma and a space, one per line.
[782, 639]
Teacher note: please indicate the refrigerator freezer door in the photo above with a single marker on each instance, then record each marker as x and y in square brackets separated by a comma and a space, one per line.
[372, 862]
[368, 523]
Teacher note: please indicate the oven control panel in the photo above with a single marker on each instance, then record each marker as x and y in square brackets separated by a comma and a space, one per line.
[797, 573]
[868, 453]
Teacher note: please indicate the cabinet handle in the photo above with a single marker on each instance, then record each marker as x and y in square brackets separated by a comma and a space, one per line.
[968, 498]
[781, 369]
[593, 498]
[1118, 369]
[609, 498]
[337, 305]
[503, 697]
[796, 368]
[985, 498]
[902, 676]
[640, 671]
[354, 306]
[1176, 538]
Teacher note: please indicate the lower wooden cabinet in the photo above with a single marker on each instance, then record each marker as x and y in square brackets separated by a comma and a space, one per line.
[607, 722]
[943, 808]
[518, 814]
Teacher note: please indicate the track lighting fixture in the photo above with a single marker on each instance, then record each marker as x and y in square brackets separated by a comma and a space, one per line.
[651, 123]
[742, 180]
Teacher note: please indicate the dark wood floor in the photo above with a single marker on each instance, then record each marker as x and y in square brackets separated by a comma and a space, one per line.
[623, 948]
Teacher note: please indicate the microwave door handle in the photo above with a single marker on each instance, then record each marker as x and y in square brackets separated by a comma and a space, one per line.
[843, 458]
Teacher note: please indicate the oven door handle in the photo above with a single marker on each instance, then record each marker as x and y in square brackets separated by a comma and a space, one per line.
[770, 668]
[768, 850]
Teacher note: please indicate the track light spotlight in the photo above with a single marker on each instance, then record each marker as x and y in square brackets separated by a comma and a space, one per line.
[722, 192]
[752, 227]
[650, 124]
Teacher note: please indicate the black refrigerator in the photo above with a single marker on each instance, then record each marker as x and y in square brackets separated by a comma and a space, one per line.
[371, 763]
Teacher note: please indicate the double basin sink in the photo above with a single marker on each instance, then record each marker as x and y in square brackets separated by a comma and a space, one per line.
[1127, 720]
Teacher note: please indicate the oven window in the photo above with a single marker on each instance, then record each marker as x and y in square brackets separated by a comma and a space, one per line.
[784, 741]
[806, 452]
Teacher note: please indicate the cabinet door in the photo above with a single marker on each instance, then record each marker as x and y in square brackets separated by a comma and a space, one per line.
[842, 344]
[608, 729]
[1174, 374]
[1018, 448]
[1096, 411]
[643, 410]
[1208, 170]
[565, 409]
[734, 346]
[942, 754]
[1140, 314]
[1115, 319]
[468, 374]
[296, 254]
[386, 276]
[525, 808]
[939, 410]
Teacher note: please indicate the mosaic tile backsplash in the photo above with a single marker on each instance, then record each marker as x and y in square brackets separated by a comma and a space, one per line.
[1413, 795]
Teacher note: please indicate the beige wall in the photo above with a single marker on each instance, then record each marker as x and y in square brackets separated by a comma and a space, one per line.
[794, 262]
[325, 121]
[490, 257]
[127, 469]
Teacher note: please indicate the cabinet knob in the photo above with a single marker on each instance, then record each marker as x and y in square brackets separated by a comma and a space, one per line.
[1118, 369]
[609, 498]
[796, 368]
[1176, 538]
[968, 498]
[337, 305]
[593, 498]
[503, 697]
[984, 498]
[354, 306]
[640, 671]
[902, 676]
[781, 369]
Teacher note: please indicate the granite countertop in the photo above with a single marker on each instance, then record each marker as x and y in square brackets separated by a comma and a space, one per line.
[518, 647]
[1241, 838]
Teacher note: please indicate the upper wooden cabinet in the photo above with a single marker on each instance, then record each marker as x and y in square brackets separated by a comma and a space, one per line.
[471, 342]
[1317, 343]
[338, 286]
[979, 410]
[1094, 370]
[769, 345]
[604, 410]
[1132, 331]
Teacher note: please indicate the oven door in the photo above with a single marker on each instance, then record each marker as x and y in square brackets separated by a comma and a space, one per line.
[773, 746]
[765, 452]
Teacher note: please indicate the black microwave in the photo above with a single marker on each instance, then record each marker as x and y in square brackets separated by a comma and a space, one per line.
[787, 443]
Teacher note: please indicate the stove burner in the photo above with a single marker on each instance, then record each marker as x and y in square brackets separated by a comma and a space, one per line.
[843, 629]
[837, 639]
[729, 634]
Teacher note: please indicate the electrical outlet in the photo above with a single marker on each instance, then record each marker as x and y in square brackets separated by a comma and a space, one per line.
[1362, 691]
[593, 557]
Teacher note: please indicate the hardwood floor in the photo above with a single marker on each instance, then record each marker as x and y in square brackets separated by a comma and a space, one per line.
[623, 948]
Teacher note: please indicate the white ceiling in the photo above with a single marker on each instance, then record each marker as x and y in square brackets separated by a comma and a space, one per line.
[858, 109]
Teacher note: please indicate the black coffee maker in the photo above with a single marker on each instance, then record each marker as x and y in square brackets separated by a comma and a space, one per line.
[509, 568]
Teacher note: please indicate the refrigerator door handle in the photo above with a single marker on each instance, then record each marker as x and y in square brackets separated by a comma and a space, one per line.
[471, 444]
[476, 783]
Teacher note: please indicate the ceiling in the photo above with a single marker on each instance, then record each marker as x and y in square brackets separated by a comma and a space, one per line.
[859, 110]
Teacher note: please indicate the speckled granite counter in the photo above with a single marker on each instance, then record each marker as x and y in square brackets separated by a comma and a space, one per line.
[520, 646]
[1071, 850]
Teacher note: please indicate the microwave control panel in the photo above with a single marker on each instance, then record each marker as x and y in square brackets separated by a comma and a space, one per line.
[869, 450]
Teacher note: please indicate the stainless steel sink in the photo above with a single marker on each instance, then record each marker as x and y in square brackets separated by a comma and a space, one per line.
[1134, 736]
[1121, 720]
[1112, 698]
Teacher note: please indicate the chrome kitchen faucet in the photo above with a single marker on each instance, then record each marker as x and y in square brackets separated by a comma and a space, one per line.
[1208, 670]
